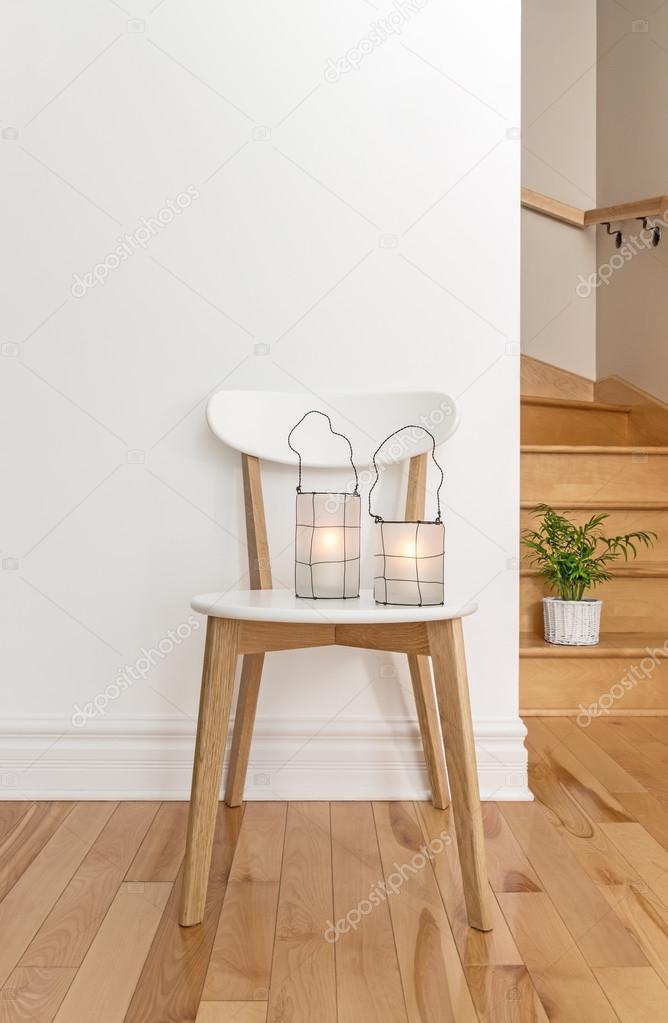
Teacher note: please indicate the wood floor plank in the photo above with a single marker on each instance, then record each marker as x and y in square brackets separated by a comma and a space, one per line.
[170, 987]
[11, 813]
[635, 993]
[160, 855]
[233, 1012]
[27, 905]
[599, 933]
[485, 948]
[655, 728]
[599, 804]
[508, 868]
[24, 841]
[66, 934]
[566, 986]
[644, 853]
[593, 849]
[367, 971]
[33, 993]
[646, 918]
[434, 983]
[303, 977]
[612, 739]
[606, 770]
[504, 994]
[103, 986]
[240, 966]
[648, 810]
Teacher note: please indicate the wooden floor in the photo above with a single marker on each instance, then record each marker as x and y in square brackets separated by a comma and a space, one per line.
[90, 891]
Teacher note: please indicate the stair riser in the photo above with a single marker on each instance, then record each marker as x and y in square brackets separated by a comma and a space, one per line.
[627, 521]
[569, 683]
[541, 425]
[549, 477]
[630, 605]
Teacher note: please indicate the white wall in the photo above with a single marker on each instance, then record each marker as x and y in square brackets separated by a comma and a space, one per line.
[559, 160]
[358, 233]
[633, 161]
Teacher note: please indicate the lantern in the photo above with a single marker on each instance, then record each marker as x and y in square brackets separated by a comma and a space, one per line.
[327, 535]
[409, 556]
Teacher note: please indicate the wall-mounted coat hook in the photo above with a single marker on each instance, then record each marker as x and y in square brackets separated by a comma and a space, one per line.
[654, 228]
[617, 234]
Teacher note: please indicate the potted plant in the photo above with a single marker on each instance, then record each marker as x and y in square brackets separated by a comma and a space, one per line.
[573, 559]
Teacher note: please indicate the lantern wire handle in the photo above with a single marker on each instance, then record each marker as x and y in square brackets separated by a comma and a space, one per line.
[317, 412]
[379, 518]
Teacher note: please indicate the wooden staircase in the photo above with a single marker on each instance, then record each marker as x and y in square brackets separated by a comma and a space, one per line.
[590, 456]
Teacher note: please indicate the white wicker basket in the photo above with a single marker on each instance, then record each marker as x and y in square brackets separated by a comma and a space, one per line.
[572, 622]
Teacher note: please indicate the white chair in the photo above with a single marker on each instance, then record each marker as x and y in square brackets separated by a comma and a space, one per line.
[252, 622]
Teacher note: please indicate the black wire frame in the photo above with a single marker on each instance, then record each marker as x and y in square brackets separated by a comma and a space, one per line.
[420, 583]
[345, 562]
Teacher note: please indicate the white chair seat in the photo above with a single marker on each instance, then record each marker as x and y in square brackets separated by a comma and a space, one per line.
[283, 606]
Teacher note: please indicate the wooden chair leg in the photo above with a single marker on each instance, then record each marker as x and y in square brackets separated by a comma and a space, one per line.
[244, 718]
[220, 658]
[446, 644]
[430, 728]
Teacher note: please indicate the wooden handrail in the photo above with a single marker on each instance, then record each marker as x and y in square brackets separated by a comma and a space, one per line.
[544, 204]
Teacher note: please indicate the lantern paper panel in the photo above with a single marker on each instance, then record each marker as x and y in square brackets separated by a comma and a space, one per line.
[327, 545]
[409, 563]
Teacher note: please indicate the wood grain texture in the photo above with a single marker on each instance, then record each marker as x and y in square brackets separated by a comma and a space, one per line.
[568, 425]
[242, 734]
[232, 1012]
[434, 984]
[649, 415]
[303, 979]
[565, 984]
[446, 643]
[508, 868]
[484, 948]
[646, 918]
[23, 840]
[259, 563]
[635, 993]
[11, 814]
[602, 767]
[66, 934]
[103, 986]
[162, 850]
[504, 994]
[240, 965]
[363, 992]
[568, 475]
[29, 902]
[430, 728]
[541, 378]
[220, 658]
[600, 934]
[33, 994]
[403, 638]
[170, 987]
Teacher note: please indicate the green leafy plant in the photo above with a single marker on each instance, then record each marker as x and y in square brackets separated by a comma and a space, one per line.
[575, 558]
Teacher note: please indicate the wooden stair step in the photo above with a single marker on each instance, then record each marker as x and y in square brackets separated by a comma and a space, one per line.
[629, 604]
[621, 570]
[627, 673]
[565, 473]
[570, 403]
[601, 506]
[612, 644]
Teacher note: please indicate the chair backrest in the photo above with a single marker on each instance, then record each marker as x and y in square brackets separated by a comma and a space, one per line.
[258, 422]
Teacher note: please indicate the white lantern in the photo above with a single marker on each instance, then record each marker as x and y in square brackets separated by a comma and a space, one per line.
[327, 537]
[409, 556]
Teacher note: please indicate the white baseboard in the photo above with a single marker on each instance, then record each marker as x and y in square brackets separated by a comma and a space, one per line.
[143, 758]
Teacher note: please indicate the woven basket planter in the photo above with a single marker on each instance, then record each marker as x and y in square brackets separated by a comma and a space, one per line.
[572, 622]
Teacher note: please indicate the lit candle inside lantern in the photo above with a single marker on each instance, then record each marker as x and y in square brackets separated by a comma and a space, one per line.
[327, 545]
[409, 563]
